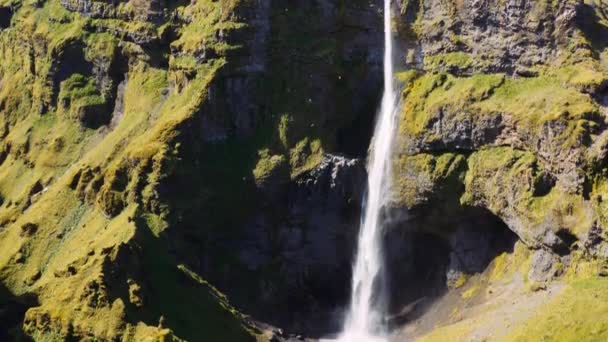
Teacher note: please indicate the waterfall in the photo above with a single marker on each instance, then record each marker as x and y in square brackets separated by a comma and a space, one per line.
[364, 321]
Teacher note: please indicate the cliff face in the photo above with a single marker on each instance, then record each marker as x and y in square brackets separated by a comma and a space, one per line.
[156, 155]
[148, 146]
[504, 108]
[516, 99]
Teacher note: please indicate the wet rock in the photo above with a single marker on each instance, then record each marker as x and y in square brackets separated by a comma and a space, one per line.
[308, 237]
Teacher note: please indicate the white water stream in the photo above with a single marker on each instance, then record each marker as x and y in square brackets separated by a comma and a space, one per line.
[364, 322]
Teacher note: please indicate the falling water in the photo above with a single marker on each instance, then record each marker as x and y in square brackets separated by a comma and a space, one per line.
[365, 319]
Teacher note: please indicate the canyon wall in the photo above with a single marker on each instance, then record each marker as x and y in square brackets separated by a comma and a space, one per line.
[194, 170]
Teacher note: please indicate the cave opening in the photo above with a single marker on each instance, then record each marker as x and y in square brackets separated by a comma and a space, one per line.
[424, 264]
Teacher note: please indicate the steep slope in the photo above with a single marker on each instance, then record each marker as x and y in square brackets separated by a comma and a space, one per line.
[504, 110]
[188, 170]
[92, 103]
[146, 144]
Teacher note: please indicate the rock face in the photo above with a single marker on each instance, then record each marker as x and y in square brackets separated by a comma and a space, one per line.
[310, 245]
[155, 155]
[150, 149]
[483, 85]
[491, 36]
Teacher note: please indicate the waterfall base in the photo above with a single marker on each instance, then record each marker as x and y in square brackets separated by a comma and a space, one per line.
[356, 337]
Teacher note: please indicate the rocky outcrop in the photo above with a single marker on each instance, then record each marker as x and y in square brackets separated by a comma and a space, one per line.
[484, 86]
[150, 149]
[491, 36]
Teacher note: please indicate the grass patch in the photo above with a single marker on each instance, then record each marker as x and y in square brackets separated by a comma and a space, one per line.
[448, 61]
[580, 312]
[529, 101]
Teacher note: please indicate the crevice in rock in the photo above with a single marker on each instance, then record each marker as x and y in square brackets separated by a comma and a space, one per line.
[6, 14]
[568, 239]
[12, 312]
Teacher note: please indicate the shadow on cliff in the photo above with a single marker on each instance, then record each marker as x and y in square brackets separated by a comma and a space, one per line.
[12, 312]
[591, 22]
[429, 256]
[160, 291]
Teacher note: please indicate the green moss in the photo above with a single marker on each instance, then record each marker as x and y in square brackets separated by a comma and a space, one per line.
[407, 77]
[122, 27]
[581, 311]
[416, 178]
[532, 101]
[268, 165]
[54, 22]
[101, 45]
[600, 200]
[569, 211]
[80, 91]
[284, 123]
[470, 292]
[460, 282]
[305, 156]
[207, 18]
[125, 162]
[448, 61]
[185, 62]
[507, 265]
[504, 180]
[432, 92]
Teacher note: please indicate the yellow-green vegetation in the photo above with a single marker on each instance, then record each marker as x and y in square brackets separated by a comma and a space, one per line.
[580, 312]
[587, 75]
[507, 265]
[528, 103]
[283, 129]
[470, 292]
[460, 282]
[431, 93]
[417, 177]
[84, 225]
[305, 156]
[448, 61]
[207, 17]
[600, 201]
[407, 76]
[495, 174]
[78, 92]
[268, 165]
[459, 332]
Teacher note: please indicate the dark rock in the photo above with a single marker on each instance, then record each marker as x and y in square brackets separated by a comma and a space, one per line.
[501, 36]
[595, 243]
[28, 229]
[543, 266]
[559, 241]
[6, 14]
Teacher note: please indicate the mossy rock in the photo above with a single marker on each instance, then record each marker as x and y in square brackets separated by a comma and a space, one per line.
[271, 171]
[111, 202]
[81, 98]
[510, 183]
[419, 178]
